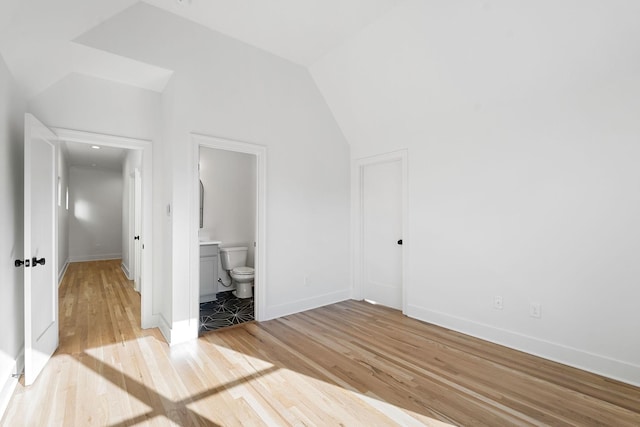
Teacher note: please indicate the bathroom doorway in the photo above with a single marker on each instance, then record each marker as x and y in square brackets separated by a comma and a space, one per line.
[228, 213]
[228, 216]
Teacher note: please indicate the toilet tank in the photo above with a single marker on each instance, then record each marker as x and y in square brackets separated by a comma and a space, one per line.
[234, 256]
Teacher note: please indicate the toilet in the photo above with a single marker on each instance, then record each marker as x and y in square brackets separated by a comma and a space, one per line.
[234, 260]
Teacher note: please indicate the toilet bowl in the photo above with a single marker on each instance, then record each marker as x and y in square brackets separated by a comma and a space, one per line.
[234, 260]
[243, 277]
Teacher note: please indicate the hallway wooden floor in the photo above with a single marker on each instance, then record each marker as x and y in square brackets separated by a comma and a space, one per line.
[351, 364]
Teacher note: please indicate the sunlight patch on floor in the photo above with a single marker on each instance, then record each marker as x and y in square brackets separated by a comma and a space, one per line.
[147, 385]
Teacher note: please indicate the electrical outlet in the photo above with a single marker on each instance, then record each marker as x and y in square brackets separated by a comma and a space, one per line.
[497, 302]
[535, 310]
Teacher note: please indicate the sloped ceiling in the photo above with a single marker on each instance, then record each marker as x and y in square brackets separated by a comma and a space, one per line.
[38, 38]
[36, 42]
[301, 31]
[426, 65]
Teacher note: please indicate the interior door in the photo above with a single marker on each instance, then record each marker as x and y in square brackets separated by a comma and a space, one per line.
[382, 233]
[137, 214]
[40, 228]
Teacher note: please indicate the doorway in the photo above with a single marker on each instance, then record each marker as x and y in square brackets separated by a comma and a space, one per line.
[380, 247]
[228, 216]
[42, 184]
[140, 268]
[258, 153]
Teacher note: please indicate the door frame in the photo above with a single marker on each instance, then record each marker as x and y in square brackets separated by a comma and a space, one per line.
[357, 212]
[260, 282]
[146, 288]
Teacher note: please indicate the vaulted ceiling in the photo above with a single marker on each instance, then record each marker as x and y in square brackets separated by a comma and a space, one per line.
[38, 38]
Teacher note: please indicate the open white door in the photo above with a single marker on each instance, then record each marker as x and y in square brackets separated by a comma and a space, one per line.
[40, 284]
[137, 229]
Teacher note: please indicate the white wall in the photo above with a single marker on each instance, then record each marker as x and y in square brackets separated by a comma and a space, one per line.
[95, 223]
[522, 127]
[225, 88]
[12, 109]
[229, 180]
[63, 215]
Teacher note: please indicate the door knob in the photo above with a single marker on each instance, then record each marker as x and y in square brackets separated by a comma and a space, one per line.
[35, 261]
[400, 242]
[136, 238]
[20, 262]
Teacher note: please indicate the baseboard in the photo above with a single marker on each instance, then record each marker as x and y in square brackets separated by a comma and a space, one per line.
[9, 382]
[177, 333]
[153, 321]
[125, 270]
[165, 328]
[184, 331]
[102, 257]
[63, 270]
[286, 309]
[597, 364]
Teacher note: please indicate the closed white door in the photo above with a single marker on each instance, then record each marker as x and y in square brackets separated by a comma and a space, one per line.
[382, 233]
[40, 283]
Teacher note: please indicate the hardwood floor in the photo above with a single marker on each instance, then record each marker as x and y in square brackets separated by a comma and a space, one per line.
[347, 364]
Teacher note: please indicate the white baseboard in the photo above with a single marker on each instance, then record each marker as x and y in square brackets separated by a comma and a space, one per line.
[184, 331]
[63, 270]
[598, 364]
[286, 309]
[153, 321]
[125, 270]
[165, 328]
[179, 332]
[101, 257]
[8, 381]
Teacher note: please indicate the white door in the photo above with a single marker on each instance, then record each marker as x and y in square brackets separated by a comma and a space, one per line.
[382, 233]
[40, 228]
[137, 229]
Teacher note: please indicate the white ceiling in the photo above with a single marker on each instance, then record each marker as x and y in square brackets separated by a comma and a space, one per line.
[301, 31]
[82, 155]
[37, 36]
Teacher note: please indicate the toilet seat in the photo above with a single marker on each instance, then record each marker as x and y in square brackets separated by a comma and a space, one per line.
[243, 271]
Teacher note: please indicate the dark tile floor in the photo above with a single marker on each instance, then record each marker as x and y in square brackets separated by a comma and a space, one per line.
[226, 311]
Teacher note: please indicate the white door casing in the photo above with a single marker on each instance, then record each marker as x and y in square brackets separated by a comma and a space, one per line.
[40, 243]
[380, 209]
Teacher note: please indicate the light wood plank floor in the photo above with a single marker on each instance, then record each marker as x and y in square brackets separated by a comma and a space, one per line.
[350, 364]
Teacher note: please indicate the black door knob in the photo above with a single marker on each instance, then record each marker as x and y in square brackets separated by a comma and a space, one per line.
[400, 242]
[35, 261]
[136, 238]
[20, 262]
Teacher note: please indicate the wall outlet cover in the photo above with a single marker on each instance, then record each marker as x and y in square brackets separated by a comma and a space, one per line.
[497, 302]
[535, 310]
